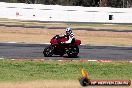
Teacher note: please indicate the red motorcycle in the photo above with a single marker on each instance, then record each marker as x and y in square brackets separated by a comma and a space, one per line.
[58, 47]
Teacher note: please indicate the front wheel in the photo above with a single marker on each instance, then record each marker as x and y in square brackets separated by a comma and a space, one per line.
[48, 51]
[73, 51]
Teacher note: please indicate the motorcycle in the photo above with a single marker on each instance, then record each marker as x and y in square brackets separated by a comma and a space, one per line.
[58, 47]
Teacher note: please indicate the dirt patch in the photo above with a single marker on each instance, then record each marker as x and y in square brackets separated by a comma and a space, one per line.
[39, 35]
[51, 84]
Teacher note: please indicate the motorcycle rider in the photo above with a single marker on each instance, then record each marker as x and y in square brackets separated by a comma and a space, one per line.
[69, 35]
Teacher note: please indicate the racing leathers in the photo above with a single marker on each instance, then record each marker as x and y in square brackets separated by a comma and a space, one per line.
[70, 37]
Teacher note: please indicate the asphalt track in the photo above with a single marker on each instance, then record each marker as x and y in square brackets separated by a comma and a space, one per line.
[34, 51]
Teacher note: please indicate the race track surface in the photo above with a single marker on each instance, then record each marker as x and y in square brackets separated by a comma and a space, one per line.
[34, 51]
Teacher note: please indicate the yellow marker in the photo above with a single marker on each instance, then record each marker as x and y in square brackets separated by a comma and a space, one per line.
[84, 74]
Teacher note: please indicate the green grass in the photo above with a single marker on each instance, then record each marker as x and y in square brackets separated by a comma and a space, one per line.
[53, 70]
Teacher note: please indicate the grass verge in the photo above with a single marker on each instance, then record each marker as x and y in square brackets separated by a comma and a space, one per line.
[53, 70]
[73, 25]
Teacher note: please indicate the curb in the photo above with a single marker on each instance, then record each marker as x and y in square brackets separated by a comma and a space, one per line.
[60, 60]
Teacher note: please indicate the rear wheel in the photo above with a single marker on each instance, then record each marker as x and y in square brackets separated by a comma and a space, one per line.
[73, 51]
[48, 51]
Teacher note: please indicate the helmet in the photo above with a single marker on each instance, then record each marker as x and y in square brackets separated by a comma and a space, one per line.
[68, 31]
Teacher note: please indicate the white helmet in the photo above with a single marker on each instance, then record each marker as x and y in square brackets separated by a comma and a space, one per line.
[68, 31]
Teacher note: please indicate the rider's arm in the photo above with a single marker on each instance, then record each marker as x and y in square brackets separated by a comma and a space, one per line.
[63, 36]
[70, 38]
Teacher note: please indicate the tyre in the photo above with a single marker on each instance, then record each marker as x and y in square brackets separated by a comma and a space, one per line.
[48, 51]
[73, 51]
[61, 55]
[84, 81]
